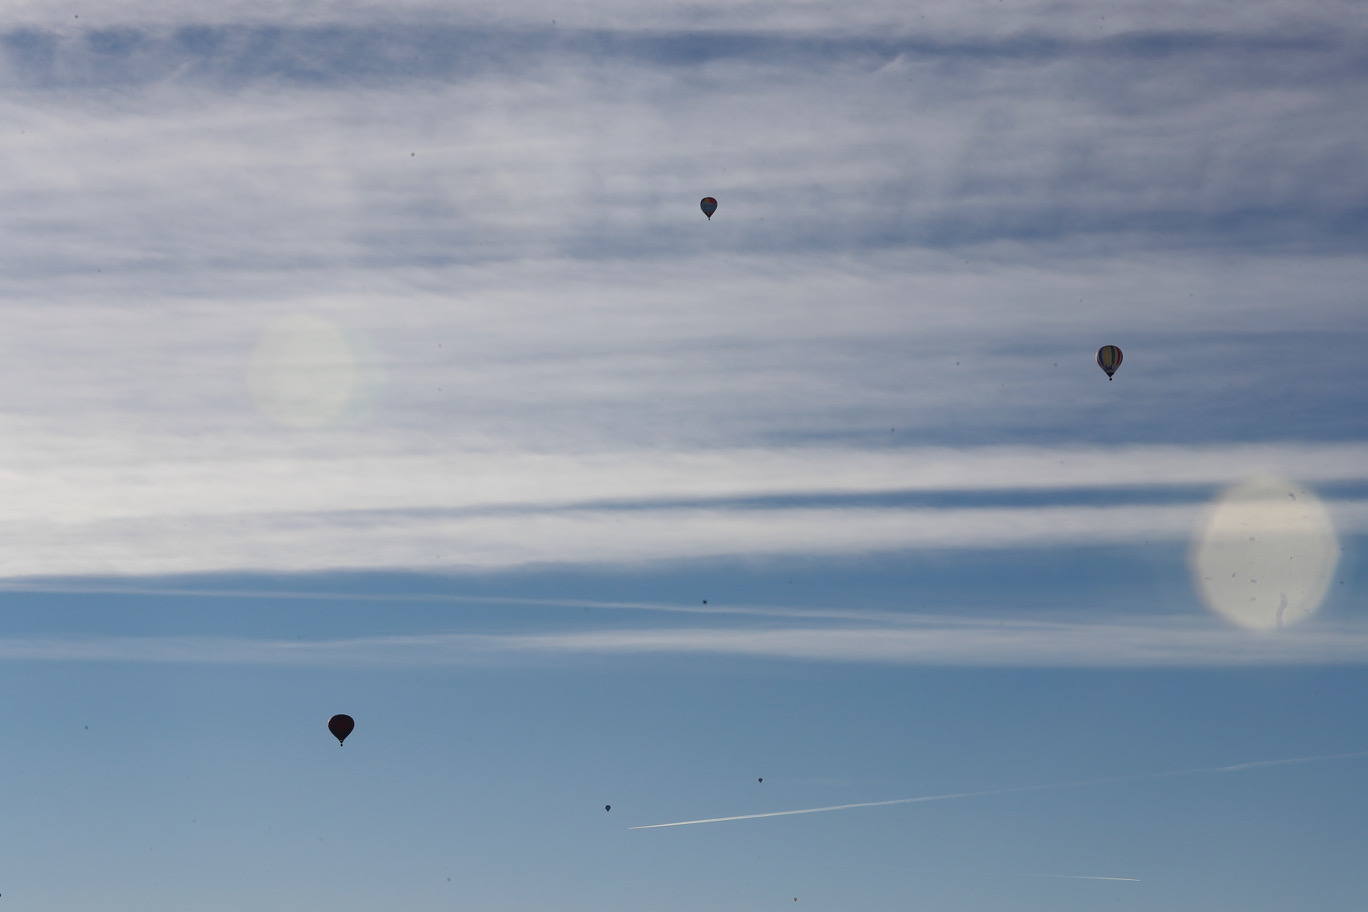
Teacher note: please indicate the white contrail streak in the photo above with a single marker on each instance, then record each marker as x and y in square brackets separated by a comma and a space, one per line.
[922, 799]
[1085, 877]
[842, 807]
[62, 588]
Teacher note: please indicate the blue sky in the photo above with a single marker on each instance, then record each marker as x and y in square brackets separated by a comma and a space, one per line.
[376, 359]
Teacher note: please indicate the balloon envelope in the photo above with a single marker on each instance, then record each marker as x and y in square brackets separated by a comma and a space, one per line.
[607, 807]
[708, 205]
[1109, 359]
[341, 725]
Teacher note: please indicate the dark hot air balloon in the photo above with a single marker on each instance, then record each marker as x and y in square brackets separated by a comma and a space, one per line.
[708, 205]
[341, 725]
[607, 807]
[1109, 359]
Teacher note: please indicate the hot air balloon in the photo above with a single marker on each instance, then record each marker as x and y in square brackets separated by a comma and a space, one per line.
[708, 205]
[607, 807]
[761, 779]
[1109, 359]
[341, 725]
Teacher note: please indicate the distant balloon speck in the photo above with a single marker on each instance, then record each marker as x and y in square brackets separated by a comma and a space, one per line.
[607, 807]
[708, 205]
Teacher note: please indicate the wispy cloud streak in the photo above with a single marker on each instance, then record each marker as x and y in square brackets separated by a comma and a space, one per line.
[1085, 877]
[400, 598]
[910, 639]
[1082, 783]
[519, 287]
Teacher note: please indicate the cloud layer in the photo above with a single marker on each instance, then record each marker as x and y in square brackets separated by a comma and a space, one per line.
[923, 640]
[523, 344]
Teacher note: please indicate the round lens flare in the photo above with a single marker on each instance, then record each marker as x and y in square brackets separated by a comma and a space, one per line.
[303, 372]
[1265, 554]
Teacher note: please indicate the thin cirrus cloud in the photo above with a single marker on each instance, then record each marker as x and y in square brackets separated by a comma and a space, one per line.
[394, 512]
[924, 640]
[187, 543]
[1087, 877]
[558, 127]
[551, 358]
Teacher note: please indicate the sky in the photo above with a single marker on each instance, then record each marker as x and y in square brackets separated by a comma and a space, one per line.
[375, 358]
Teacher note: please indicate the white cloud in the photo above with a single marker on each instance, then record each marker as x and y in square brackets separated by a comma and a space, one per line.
[182, 540]
[1154, 642]
[1140, 644]
[539, 317]
[937, 16]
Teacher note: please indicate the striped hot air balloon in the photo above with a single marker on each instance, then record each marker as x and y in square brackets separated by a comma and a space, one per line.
[1109, 359]
[708, 205]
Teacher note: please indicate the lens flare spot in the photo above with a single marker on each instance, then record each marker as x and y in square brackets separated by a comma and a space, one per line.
[1264, 554]
[303, 371]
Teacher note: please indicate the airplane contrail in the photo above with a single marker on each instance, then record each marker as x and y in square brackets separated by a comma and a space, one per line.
[951, 796]
[1086, 877]
[42, 587]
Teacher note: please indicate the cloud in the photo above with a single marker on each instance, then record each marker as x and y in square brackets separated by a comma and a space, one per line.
[283, 542]
[914, 639]
[110, 513]
[1086, 877]
[97, 587]
[287, 145]
[937, 16]
[1141, 643]
[924, 234]
[325, 54]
